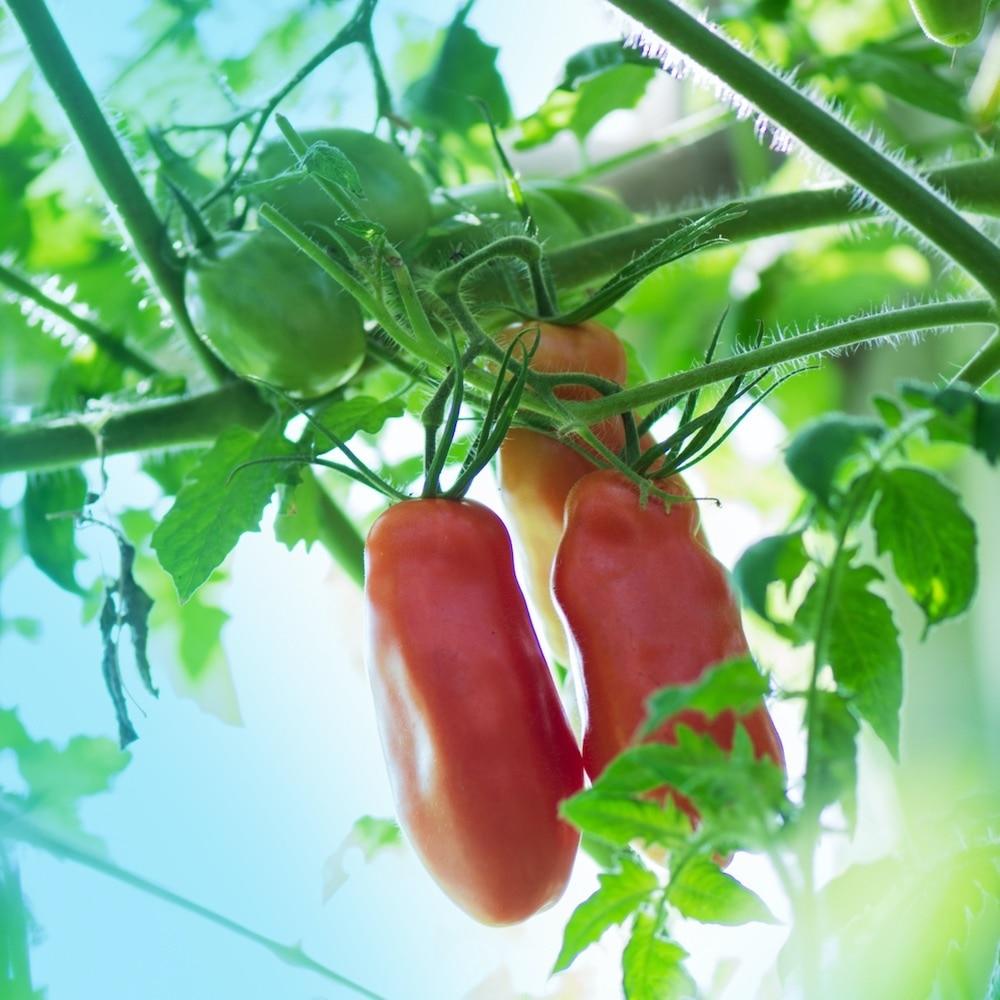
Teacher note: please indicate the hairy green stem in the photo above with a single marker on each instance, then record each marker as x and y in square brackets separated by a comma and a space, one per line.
[16, 827]
[105, 341]
[982, 366]
[974, 185]
[171, 423]
[830, 338]
[138, 218]
[893, 185]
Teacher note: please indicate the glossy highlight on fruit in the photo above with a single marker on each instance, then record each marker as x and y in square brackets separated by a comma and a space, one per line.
[476, 742]
[271, 313]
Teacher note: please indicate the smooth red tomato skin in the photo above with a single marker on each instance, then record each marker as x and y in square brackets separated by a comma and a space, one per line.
[478, 748]
[646, 606]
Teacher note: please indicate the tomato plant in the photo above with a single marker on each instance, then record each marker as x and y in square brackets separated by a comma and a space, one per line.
[259, 283]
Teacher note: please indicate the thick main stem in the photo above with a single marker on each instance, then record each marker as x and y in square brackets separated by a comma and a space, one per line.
[974, 186]
[894, 186]
[143, 227]
[192, 420]
[856, 331]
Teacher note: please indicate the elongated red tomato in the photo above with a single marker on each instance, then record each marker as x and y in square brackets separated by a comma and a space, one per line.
[536, 472]
[646, 606]
[478, 748]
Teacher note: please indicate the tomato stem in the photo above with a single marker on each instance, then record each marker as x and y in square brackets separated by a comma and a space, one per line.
[894, 185]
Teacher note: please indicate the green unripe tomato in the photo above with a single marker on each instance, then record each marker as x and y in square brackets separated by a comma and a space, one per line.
[394, 194]
[497, 216]
[951, 22]
[592, 209]
[271, 313]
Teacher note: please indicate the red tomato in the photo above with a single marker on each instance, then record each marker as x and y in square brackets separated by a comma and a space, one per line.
[536, 472]
[477, 745]
[646, 606]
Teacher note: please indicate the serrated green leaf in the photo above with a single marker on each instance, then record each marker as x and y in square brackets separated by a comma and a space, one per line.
[211, 512]
[735, 684]
[620, 894]
[51, 499]
[922, 524]
[652, 966]
[778, 559]
[620, 819]
[346, 417]
[821, 449]
[702, 891]
[735, 783]
[961, 415]
[834, 739]
[862, 647]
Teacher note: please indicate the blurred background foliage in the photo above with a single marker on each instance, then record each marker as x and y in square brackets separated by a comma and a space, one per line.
[661, 143]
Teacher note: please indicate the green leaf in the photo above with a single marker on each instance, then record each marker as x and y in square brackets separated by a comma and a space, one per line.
[735, 684]
[620, 895]
[464, 72]
[620, 819]
[211, 512]
[904, 77]
[834, 736]
[735, 784]
[821, 449]
[652, 966]
[922, 524]
[862, 647]
[702, 891]
[58, 778]
[597, 80]
[346, 417]
[51, 501]
[778, 559]
[961, 415]
[200, 635]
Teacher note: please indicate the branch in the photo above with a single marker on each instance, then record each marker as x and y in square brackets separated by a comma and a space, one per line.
[822, 341]
[193, 420]
[339, 535]
[974, 185]
[113, 346]
[135, 212]
[21, 829]
[357, 29]
[893, 185]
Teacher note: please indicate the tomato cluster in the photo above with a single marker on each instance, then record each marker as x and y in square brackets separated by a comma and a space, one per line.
[478, 747]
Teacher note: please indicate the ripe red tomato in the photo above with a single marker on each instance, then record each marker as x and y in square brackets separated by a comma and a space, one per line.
[536, 472]
[477, 745]
[646, 606]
